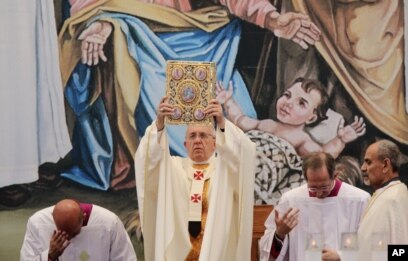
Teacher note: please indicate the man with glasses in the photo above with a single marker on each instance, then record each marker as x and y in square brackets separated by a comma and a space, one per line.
[200, 207]
[323, 208]
[385, 220]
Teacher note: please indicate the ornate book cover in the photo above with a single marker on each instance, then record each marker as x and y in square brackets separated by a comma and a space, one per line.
[190, 86]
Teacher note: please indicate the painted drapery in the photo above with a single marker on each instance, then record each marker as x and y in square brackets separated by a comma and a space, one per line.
[216, 39]
[366, 56]
[33, 126]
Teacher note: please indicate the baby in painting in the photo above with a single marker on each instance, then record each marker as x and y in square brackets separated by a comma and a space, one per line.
[303, 104]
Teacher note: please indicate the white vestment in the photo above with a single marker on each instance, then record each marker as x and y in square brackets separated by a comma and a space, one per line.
[329, 217]
[386, 219]
[163, 190]
[104, 238]
[33, 127]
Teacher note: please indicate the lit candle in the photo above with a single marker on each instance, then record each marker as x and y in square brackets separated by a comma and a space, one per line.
[347, 244]
[313, 252]
[349, 247]
[313, 244]
[379, 252]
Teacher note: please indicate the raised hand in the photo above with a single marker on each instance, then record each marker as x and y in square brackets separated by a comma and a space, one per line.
[93, 40]
[59, 241]
[214, 109]
[223, 95]
[351, 132]
[288, 221]
[296, 27]
[164, 109]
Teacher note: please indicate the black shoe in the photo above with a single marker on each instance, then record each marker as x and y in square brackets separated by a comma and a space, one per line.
[47, 181]
[14, 195]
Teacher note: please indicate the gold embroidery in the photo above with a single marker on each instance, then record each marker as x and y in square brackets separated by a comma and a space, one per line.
[196, 242]
[200, 166]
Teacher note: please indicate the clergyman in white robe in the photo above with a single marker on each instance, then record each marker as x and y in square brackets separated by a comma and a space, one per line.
[163, 190]
[104, 238]
[329, 217]
[385, 219]
[33, 127]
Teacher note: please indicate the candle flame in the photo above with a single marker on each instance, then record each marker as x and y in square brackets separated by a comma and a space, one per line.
[348, 242]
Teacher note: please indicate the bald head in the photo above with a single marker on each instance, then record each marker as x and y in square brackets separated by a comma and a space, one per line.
[68, 217]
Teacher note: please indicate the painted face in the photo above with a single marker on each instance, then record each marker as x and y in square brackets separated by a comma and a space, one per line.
[373, 168]
[319, 183]
[297, 107]
[200, 143]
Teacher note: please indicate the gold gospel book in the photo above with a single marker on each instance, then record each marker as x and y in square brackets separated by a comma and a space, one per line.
[189, 87]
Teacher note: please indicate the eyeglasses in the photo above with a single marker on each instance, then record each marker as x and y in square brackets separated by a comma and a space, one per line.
[322, 189]
[201, 135]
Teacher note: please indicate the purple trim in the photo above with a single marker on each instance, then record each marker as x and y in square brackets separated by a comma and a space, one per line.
[87, 209]
[336, 189]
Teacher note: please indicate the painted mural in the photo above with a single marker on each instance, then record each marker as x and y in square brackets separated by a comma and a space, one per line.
[317, 76]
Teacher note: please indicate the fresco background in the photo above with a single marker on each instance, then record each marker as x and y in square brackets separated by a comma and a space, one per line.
[265, 73]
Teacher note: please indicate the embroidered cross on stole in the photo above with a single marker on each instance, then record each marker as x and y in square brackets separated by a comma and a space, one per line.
[198, 207]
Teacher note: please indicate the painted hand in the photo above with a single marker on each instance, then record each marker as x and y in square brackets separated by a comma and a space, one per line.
[296, 27]
[93, 40]
[223, 95]
[351, 132]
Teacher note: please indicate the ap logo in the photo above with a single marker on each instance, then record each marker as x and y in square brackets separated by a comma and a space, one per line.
[397, 252]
